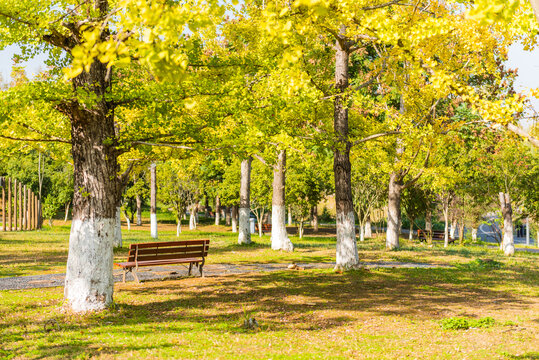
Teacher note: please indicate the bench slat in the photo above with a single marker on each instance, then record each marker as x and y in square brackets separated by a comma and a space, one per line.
[158, 262]
[170, 256]
[167, 250]
[170, 244]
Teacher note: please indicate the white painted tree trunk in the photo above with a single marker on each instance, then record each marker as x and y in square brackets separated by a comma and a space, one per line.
[118, 229]
[66, 212]
[301, 229]
[474, 234]
[362, 233]
[227, 215]
[234, 219]
[244, 235]
[453, 228]
[217, 210]
[393, 212]
[178, 227]
[537, 238]
[279, 236]
[290, 221]
[507, 213]
[192, 218]
[347, 256]
[446, 225]
[368, 228]
[153, 201]
[89, 282]
[411, 235]
[128, 221]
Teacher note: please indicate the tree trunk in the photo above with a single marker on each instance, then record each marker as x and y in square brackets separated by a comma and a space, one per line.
[279, 236]
[244, 236]
[227, 215]
[192, 217]
[128, 220]
[178, 226]
[347, 256]
[368, 228]
[139, 210]
[361, 232]
[474, 235]
[66, 217]
[428, 220]
[118, 229]
[393, 212]
[301, 227]
[97, 191]
[453, 228]
[289, 216]
[235, 218]
[153, 200]
[507, 214]
[461, 233]
[217, 210]
[315, 219]
[446, 224]
[411, 235]
[528, 231]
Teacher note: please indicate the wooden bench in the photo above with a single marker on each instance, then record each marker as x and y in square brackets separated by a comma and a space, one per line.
[436, 235]
[165, 253]
[265, 227]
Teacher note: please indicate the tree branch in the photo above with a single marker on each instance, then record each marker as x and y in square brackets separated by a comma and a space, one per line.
[372, 137]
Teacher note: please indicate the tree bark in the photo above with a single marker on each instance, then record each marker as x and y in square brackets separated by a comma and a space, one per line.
[428, 220]
[393, 212]
[178, 226]
[347, 256]
[446, 224]
[368, 228]
[279, 236]
[128, 220]
[453, 228]
[244, 235]
[153, 200]
[97, 192]
[411, 235]
[474, 235]
[290, 221]
[507, 214]
[315, 219]
[461, 233]
[235, 218]
[227, 215]
[118, 230]
[217, 210]
[139, 210]
[192, 217]
[66, 217]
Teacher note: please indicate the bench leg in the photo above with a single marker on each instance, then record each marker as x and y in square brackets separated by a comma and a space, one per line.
[190, 268]
[135, 276]
[123, 280]
[200, 268]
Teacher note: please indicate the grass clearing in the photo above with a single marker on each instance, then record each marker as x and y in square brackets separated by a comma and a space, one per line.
[372, 314]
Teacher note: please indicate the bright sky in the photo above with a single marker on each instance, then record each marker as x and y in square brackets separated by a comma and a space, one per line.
[526, 62]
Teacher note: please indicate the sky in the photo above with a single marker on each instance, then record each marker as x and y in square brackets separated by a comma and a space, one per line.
[527, 63]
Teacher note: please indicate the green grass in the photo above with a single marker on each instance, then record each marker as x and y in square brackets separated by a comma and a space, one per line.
[315, 314]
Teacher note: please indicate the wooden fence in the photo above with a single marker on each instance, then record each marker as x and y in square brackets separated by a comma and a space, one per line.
[21, 208]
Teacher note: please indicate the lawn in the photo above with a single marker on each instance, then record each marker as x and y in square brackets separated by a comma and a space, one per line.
[375, 314]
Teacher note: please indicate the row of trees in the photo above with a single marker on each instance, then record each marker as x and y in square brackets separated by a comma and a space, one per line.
[135, 81]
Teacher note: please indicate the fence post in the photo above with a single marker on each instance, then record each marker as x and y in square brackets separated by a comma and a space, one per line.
[25, 210]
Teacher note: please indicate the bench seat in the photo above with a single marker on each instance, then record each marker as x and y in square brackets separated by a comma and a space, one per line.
[165, 253]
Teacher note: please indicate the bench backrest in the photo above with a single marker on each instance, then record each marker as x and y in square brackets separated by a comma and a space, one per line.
[169, 250]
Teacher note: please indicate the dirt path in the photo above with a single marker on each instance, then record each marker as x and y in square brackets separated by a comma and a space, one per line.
[170, 272]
